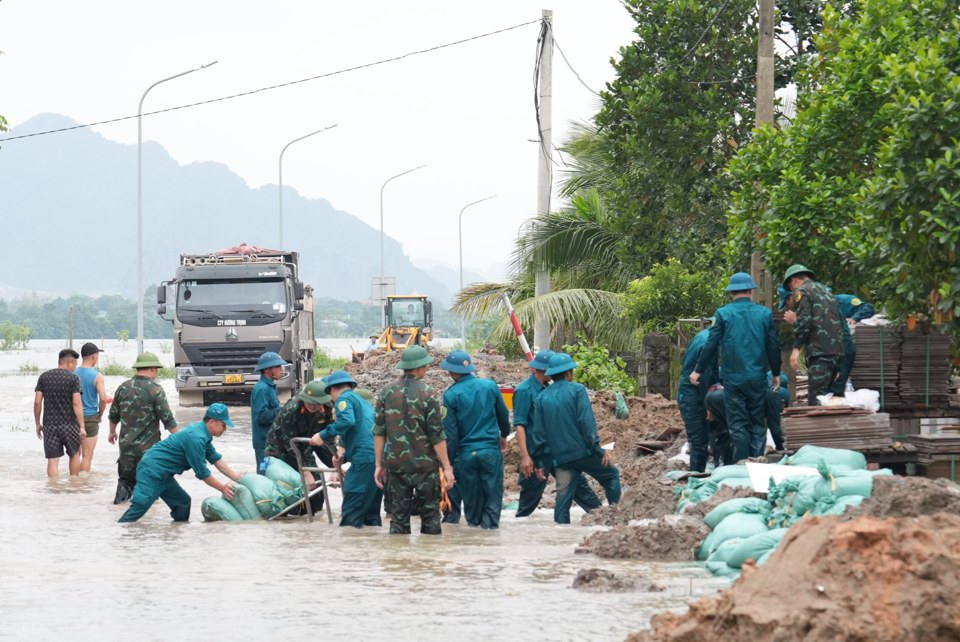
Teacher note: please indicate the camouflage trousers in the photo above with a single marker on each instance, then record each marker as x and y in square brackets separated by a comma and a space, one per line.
[128, 460]
[821, 372]
[413, 493]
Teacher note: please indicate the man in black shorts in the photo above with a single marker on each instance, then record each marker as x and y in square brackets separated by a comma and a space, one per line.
[57, 400]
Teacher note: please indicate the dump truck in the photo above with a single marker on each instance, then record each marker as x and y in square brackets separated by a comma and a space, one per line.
[227, 308]
[409, 321]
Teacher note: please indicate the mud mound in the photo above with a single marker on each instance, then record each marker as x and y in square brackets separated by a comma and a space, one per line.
[597, 580]
[863, 579]
[909, 497]
[670, 538]
[700, 509]
[646, 495]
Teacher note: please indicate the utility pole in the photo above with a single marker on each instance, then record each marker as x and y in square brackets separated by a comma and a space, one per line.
[764, 109]
[71, 327]
[541, 330]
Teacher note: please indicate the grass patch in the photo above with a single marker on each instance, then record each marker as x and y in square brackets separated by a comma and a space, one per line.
[116, 370]
[324, 364]
[28, 368]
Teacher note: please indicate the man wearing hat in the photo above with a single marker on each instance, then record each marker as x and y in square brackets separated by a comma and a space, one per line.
[374, 343]
[476, 423]
[818, 330]
[354, 427]
[139, 405]
[302, 416]
[570, 427]
[690, 400]
[852, 309]
[745, 334]
[191, 447]
[536, 463]
[409, 446]
[264, 401]
[94, 399]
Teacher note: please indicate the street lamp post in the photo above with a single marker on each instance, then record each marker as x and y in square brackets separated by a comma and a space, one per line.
[382, 187]
[463, 336]
[280, 222]
[140, 200]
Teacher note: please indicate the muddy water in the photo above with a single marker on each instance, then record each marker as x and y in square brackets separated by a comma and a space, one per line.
[68, 570]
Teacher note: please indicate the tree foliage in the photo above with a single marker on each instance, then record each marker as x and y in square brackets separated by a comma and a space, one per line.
[866, 181]
[671, 291]
[597, 370]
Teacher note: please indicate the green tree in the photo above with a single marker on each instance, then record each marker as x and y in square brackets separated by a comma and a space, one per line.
[671, 291]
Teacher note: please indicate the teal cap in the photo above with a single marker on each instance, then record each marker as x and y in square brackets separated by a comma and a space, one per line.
[220, 412]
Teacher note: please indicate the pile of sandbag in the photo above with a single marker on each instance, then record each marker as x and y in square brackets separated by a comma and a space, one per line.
[751, 528]
[256, 496]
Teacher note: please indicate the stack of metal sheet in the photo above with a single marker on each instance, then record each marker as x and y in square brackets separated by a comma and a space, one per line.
[877, 364]
[939, 454]
[924, 368]
[836, 427]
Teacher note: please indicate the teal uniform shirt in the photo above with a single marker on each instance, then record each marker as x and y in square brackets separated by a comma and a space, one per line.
[745, 333]
[475, 414]
[852, 307]
[708, 376]
[354, 426]
[784, 390]
[570, 426]
[190, 447]
[524, 397]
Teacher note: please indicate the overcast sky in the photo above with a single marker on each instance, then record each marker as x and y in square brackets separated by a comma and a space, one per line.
[465, 111]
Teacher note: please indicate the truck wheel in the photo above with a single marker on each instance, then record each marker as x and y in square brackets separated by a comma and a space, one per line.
[190, 398]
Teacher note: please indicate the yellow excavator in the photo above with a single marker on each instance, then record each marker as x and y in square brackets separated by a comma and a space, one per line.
[409, 321]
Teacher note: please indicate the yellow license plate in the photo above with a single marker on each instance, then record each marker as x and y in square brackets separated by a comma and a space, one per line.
[233, 378]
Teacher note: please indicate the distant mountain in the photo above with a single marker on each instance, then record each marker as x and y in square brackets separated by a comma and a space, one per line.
[68, 205]
[450, 276]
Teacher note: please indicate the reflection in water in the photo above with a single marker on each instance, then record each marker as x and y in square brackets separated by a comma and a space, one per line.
[69, 570]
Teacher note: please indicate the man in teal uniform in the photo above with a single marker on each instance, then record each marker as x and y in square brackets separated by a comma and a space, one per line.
[354, 427]
[265, 402]
[570, 427]
[690, 401]
[536, 464]
[818, 329]
[746, 335]
[476, 423]
[409, 445]
[191, 447]
[852, 308]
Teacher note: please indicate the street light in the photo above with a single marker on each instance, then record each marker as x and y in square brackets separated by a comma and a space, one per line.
[140, 200]
[381, 216]
[280, 247]
[463, 336]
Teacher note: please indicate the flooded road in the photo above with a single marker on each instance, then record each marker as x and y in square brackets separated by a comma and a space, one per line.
[69, 571]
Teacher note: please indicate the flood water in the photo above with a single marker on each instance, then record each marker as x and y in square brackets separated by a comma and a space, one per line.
[69, 571]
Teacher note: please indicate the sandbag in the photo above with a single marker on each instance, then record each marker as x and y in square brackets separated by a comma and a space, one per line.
[265, 493]
[621, 409]
[218, 509]
[728, 472]
[675, 475]
[736, 482]
[286, 478]
[734, 526]
[738, 505]
[811, 455]
[722, 569]
[755, 547]
[725, 550]
[763, 558]
[832, 505]
[243, 502]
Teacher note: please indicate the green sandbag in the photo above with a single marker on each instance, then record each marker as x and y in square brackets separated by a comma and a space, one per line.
[218, 509]
[622, 410]
[243, 502]
[724, 551]
[734, 526]
[722, 569]
[846, 482]
[286, 478]
[728, 472]
[832, 505]
[265, 493]
[717, 515]
[763, 558]
[754, 547]
[811, 455]
[674, 475]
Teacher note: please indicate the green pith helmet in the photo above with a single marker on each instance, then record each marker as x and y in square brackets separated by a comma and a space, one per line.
[147, 360]
[314, 393]
[794, 270]
[414, 357]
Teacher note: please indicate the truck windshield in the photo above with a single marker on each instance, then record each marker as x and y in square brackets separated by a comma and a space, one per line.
[407, 312]
[232, 299]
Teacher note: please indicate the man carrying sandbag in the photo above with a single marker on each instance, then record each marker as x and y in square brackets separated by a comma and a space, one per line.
[191, 447]
[354, 426]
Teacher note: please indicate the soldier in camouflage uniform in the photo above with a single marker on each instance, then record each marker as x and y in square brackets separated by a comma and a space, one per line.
[302, 416]
[818, 328]
[409, 425]
[139, 405]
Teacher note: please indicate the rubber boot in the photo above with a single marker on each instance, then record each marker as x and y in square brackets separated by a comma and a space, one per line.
[124, 492]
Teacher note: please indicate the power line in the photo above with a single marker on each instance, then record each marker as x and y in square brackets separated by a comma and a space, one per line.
[564, 56]
[281, 85]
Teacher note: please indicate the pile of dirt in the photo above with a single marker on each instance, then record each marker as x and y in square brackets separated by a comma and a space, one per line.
[862, 579]
[597, 580]
[894, 496]
[671, 538]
